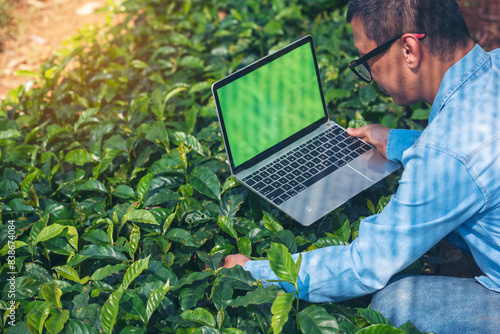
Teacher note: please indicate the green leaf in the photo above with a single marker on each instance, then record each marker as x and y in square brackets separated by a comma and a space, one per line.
[330, 241]
[36, 319]
[97, 251]
[56, 322]
[9, 134]
[346, 231]
[109, 310]
[52, 294]
[367, 94]
[373, 317]
[230, 183]
[380, 329]
[287, 238]
[78, 157]
[200, 316]
[158, 134]
[316, 320]
[226, 224]
[138, 64]
[337, 94]
[72, 236]
[258, 296]
[206, 182]
[421, 114]
[282, 264]
[92, 185]
[370, 205]
[211, 260]
[181, 236]
[17, 244]
[155, 299]
[189, 297]
[37, 272]
[103, 272]
[125, 192]
[245, 246]
[271, 223]
[191, 62]
[49, 232]
[140, 216]
[143, 186]
[28, 181]
[67, 272]
[75, 326]
[134, 270]
[172, 93]
[135, 237]
[280, 309]
[273, 27]
[7, 187]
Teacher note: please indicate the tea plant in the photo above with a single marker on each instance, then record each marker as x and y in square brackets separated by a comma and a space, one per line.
[116, 200]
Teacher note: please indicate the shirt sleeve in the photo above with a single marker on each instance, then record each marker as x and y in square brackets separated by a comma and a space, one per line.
[436, 194]
[399, 141]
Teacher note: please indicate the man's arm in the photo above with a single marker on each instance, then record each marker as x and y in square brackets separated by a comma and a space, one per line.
[235, 259]
[435, 196]
[391, 143]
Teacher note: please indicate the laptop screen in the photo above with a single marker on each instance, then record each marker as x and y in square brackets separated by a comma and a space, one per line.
[267, 105]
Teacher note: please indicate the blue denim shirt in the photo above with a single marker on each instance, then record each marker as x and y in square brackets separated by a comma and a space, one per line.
[450, 183]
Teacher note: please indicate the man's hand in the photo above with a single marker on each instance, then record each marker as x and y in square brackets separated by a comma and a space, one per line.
[235, 259]
[374, 134]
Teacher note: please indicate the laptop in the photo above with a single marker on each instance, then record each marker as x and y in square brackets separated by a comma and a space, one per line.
[280, 142]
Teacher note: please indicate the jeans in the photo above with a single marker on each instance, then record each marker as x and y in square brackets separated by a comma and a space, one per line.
[440, 304]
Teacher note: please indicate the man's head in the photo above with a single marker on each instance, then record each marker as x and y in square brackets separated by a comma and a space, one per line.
[411, 68]
[441, 20]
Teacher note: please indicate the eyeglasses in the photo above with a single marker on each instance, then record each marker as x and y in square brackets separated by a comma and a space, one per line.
[360, 66]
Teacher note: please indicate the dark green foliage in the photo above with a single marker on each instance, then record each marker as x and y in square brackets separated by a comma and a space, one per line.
[113, 170]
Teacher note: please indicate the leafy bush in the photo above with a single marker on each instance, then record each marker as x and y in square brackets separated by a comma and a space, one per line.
[116, 196]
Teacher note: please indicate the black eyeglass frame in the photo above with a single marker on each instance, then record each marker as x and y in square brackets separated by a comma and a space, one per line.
[378, 50]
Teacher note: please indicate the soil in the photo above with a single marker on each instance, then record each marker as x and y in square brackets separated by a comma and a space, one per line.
[40, 30]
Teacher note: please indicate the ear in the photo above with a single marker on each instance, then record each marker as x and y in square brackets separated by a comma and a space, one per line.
[412, 50]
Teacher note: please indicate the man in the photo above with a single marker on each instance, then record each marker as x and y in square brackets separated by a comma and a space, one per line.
[421, 51]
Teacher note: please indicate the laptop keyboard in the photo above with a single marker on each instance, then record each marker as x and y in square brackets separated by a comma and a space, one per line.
[305, 165]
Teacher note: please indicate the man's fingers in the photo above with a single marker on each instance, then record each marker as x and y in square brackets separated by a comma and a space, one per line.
[356, 132]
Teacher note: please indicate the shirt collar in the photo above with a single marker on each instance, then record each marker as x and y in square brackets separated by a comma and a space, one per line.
[457, 75]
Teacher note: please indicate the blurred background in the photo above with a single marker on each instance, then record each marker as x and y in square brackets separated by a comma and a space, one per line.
[32, 30]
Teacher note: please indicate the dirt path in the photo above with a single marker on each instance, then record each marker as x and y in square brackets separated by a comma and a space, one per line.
[43, 26]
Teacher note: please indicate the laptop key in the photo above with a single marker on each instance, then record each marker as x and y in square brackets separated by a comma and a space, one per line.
[278, 201]
[285, 197]
[275, 184]
[259, 186]
[281, 172]
[267, 190]
[299, 188]
[275, 194]
[250, 182]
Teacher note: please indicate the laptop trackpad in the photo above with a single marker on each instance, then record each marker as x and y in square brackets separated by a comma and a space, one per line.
[374, 166]
[323, 197]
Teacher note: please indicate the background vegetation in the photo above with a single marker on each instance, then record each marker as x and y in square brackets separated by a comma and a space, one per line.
[113, 169]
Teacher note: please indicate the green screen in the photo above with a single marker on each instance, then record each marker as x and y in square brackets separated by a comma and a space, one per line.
[270, 104]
